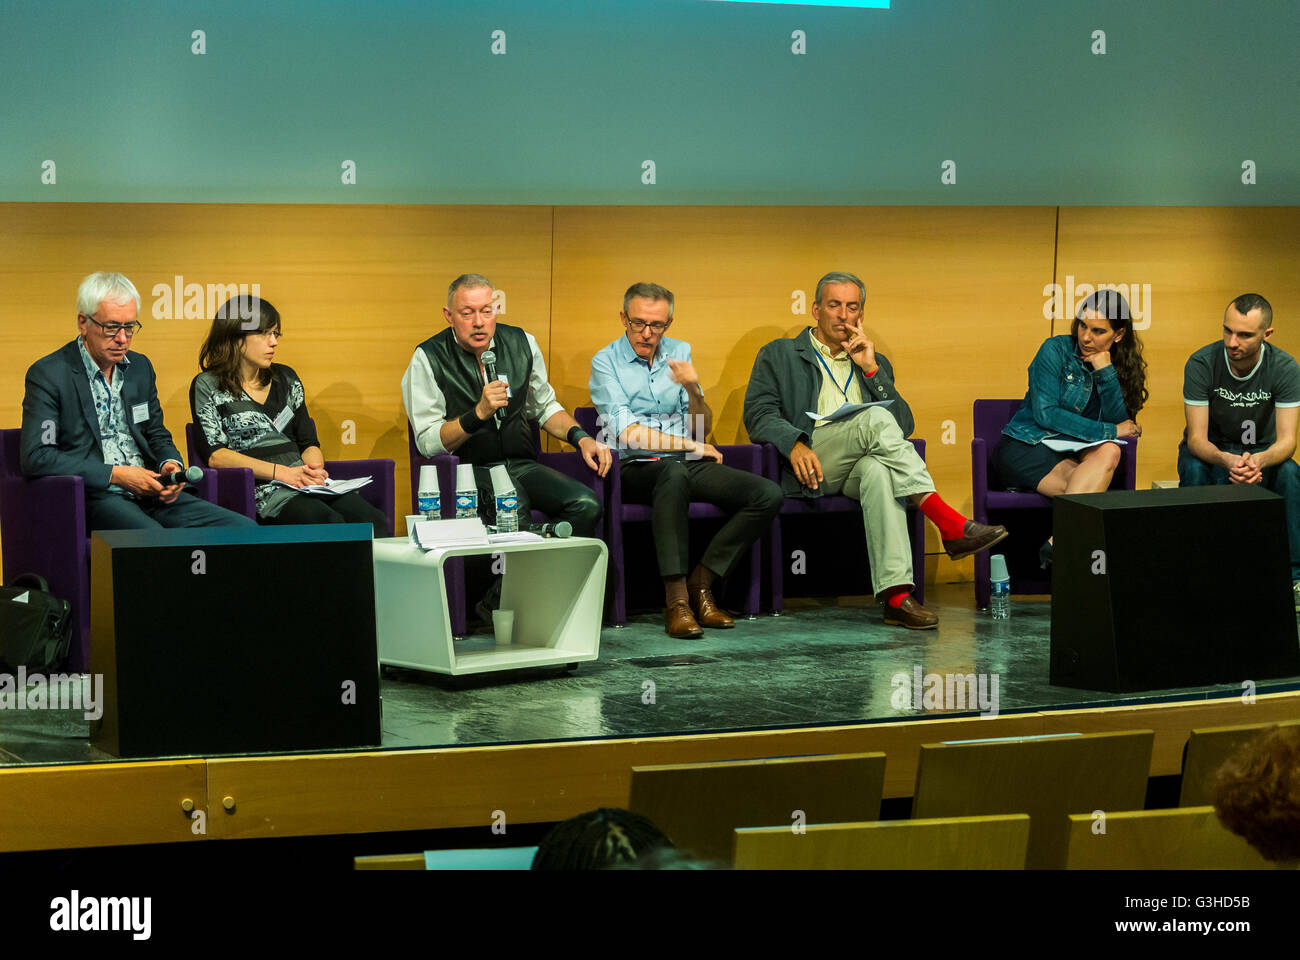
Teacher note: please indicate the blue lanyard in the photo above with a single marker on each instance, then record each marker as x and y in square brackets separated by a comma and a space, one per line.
[849, 379]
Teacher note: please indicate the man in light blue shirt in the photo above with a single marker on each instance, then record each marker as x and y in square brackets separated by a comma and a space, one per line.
[648, 395]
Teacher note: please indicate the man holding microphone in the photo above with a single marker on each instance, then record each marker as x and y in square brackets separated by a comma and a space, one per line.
[91, 409]
[456, 405]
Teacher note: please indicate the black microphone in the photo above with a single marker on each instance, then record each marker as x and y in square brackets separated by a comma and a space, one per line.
[560, 531]
[192, 475]
[490, 365]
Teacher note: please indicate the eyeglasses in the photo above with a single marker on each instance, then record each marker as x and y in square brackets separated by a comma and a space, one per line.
[639, 325]
[113, 329]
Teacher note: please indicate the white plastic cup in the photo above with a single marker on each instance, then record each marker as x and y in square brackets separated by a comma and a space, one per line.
[501, 482]
[429, 478]
[503, 625]
[998, 567]
[465, 477]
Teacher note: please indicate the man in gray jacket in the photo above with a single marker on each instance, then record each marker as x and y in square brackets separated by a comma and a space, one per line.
[864, 454]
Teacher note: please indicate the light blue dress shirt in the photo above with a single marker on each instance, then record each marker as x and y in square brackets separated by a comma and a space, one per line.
[627, 390]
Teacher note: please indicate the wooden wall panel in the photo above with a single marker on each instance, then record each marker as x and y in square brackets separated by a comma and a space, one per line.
[1196, 260]
[955, 296]
[947, 289]
[357, 287]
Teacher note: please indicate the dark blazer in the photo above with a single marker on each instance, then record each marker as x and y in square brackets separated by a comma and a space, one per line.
[57, 391]
[783, 387]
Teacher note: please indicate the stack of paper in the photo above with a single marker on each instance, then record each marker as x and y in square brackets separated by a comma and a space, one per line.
[450, 533]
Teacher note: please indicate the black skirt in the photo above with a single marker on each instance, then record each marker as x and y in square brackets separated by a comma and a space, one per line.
[1021, 466]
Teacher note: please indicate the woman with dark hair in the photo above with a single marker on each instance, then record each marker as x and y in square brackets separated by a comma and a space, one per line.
[1085, 386]
[252, 412]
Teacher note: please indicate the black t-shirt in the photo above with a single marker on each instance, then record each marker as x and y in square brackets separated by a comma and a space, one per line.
[1241, 408]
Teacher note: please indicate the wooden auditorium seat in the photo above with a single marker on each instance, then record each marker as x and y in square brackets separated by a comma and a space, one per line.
[698, 805]
[1046, 777]
[390, 861]
[944, 843]
[1186, 838]
[1207, 748]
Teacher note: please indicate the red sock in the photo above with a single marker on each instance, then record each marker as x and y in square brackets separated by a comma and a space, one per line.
[949, 521]
[894, 596]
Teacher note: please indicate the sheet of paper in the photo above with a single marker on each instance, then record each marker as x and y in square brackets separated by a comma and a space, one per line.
[848, 410]
[330, 488]
[1061, 445]
[521, 536]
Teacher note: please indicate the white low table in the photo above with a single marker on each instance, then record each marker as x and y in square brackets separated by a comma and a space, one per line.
[555, 587]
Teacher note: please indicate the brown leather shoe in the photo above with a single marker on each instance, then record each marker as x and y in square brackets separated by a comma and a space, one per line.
[910, 614]
[706, 609]
[974, 538]
[679, 623]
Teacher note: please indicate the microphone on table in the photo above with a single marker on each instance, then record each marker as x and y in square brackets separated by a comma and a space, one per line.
[560, 531]
[490, 365]
[192, 475]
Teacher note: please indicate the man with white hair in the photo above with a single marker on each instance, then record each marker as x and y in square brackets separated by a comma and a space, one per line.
[91, 409]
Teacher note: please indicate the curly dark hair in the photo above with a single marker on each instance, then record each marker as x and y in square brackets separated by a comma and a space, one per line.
[1257, 793]
[1126, 352]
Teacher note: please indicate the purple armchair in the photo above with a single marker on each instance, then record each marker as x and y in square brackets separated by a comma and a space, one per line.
[569, 464]
[990, 500]
[234, 485]
[834, 503]
[742, 456]
[43, 530]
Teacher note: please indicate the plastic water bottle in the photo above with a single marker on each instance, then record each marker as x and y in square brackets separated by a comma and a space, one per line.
[507, 501]
[1000, 601]
[466, 492]
[429, 497]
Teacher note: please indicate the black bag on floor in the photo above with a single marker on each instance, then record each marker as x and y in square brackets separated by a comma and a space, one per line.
[35, 625]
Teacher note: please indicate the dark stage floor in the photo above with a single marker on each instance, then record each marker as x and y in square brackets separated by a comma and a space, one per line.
[823, 662]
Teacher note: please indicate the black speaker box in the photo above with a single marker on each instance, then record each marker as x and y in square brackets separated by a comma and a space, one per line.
[1153, 589]
[222, 640]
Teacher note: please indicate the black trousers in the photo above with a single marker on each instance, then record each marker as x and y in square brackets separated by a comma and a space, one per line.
[669, 486]
[346, 508]
[540, 488]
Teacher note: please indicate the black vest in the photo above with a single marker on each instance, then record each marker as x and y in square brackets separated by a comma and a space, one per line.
[457, 374]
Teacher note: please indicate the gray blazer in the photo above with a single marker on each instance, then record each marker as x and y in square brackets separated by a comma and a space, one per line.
[783, 387]
[59, 393]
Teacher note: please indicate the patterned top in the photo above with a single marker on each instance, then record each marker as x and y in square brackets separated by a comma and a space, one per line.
[276, 431]
[120, 448]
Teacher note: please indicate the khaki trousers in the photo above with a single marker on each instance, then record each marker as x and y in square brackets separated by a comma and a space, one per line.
[867, 458]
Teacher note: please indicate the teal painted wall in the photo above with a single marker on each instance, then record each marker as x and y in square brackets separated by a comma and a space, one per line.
[711, 92]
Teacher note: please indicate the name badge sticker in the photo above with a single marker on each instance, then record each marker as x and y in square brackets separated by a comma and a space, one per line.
[140, 413]
[282, 420]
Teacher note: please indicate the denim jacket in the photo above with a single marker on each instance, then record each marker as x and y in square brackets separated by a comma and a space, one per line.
[1060, 386]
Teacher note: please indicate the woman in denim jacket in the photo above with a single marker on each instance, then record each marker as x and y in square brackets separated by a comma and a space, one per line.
[1086, 386]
